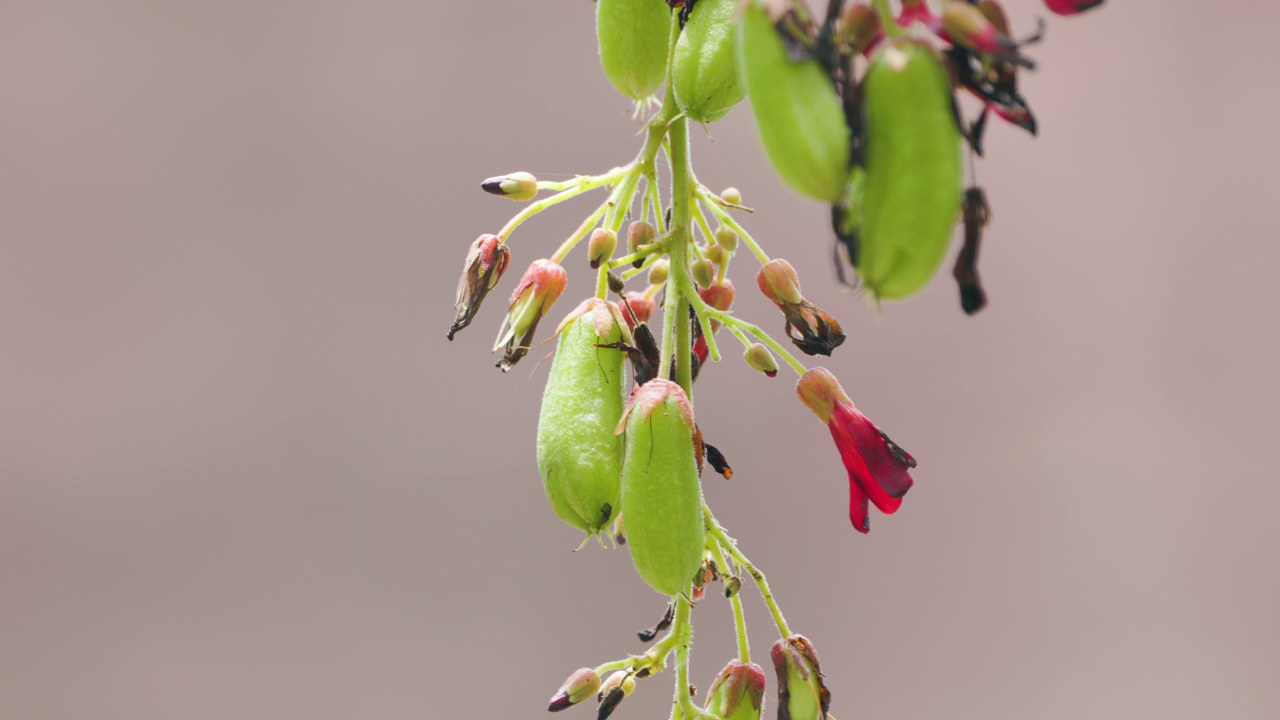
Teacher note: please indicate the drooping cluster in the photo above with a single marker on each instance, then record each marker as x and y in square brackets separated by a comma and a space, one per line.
[856, 110]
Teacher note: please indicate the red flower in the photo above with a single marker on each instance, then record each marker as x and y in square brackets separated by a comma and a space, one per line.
[877, 466]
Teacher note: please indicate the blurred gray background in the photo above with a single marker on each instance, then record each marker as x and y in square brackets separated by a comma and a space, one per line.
[243, 475]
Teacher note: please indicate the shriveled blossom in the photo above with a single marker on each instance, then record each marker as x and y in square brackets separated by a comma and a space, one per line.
[486, 261]
[877, 466]
[810, 328]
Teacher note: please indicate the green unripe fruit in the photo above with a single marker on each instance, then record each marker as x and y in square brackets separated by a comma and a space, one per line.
[800, 119]
[914, 173]
[579, 456]
[704, 71]
[633, 38]
[660, 487]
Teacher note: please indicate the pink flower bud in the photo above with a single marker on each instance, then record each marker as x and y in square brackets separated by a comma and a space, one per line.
[877, 467]
[759, 358]
[780, 283]
[1071, 7]
[720, 296]
[486, 261]
[914, 11]
[581, 685]
[967, 26]
[538, 290]
[640, 307]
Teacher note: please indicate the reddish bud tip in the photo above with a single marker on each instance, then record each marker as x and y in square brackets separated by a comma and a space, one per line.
[720, 296]
[581, 685]
[636, 308]
[1071, 7]
[759, 358]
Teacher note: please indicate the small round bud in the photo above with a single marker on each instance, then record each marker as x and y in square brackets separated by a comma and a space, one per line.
[759, 358]
[658, 272]
[600, 246]
[715, 254]
[639, 233]
[732, 196]
[727, 239]
[779, 282]
[703, 273]
[518, 186]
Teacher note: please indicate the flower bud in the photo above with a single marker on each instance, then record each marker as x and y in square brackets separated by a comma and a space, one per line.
[780, 283]
[719, 296]
[967, 26]
[600, 246]
[801, 692]
[918, 11]
[727, 239]
[860, 27]
[731, 195]
[518, 186]
[640, 309]
[581, 685]
[532, 300]
[614, 691]
[810, 328]
[759, 358]
[639, 233]
[658, 272]
[737, 693]
[1071, 7]
[703, 273]
[486, 261]
[994, 11]
[714, 254]
[660, 488]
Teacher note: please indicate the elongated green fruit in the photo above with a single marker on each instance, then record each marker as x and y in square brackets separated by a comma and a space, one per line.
[579, 456]
[704, 71]
[799, 117]
[633, 44]
[914, 172]
[660, 487]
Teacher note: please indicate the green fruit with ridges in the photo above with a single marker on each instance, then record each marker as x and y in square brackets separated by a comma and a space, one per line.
[800, 119]
[914, 169]
[660, 487]
[579, 456]
[633, 37]
[704, 72]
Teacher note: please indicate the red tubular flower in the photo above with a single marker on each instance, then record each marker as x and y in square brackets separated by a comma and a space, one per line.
[1071, 7]
[877, 466]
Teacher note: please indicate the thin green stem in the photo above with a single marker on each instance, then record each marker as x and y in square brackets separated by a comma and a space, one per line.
[729, 319]
[682, 627]
[739, 619]
[567, 246]
[729, 545]
[681, 238]
[583, 185]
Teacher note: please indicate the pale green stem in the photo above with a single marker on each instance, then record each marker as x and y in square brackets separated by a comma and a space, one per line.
[729, 319]
[584, 185]
[683, 629]
[739, 619]
[887, 21]
[730, 546]
[643, 268]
